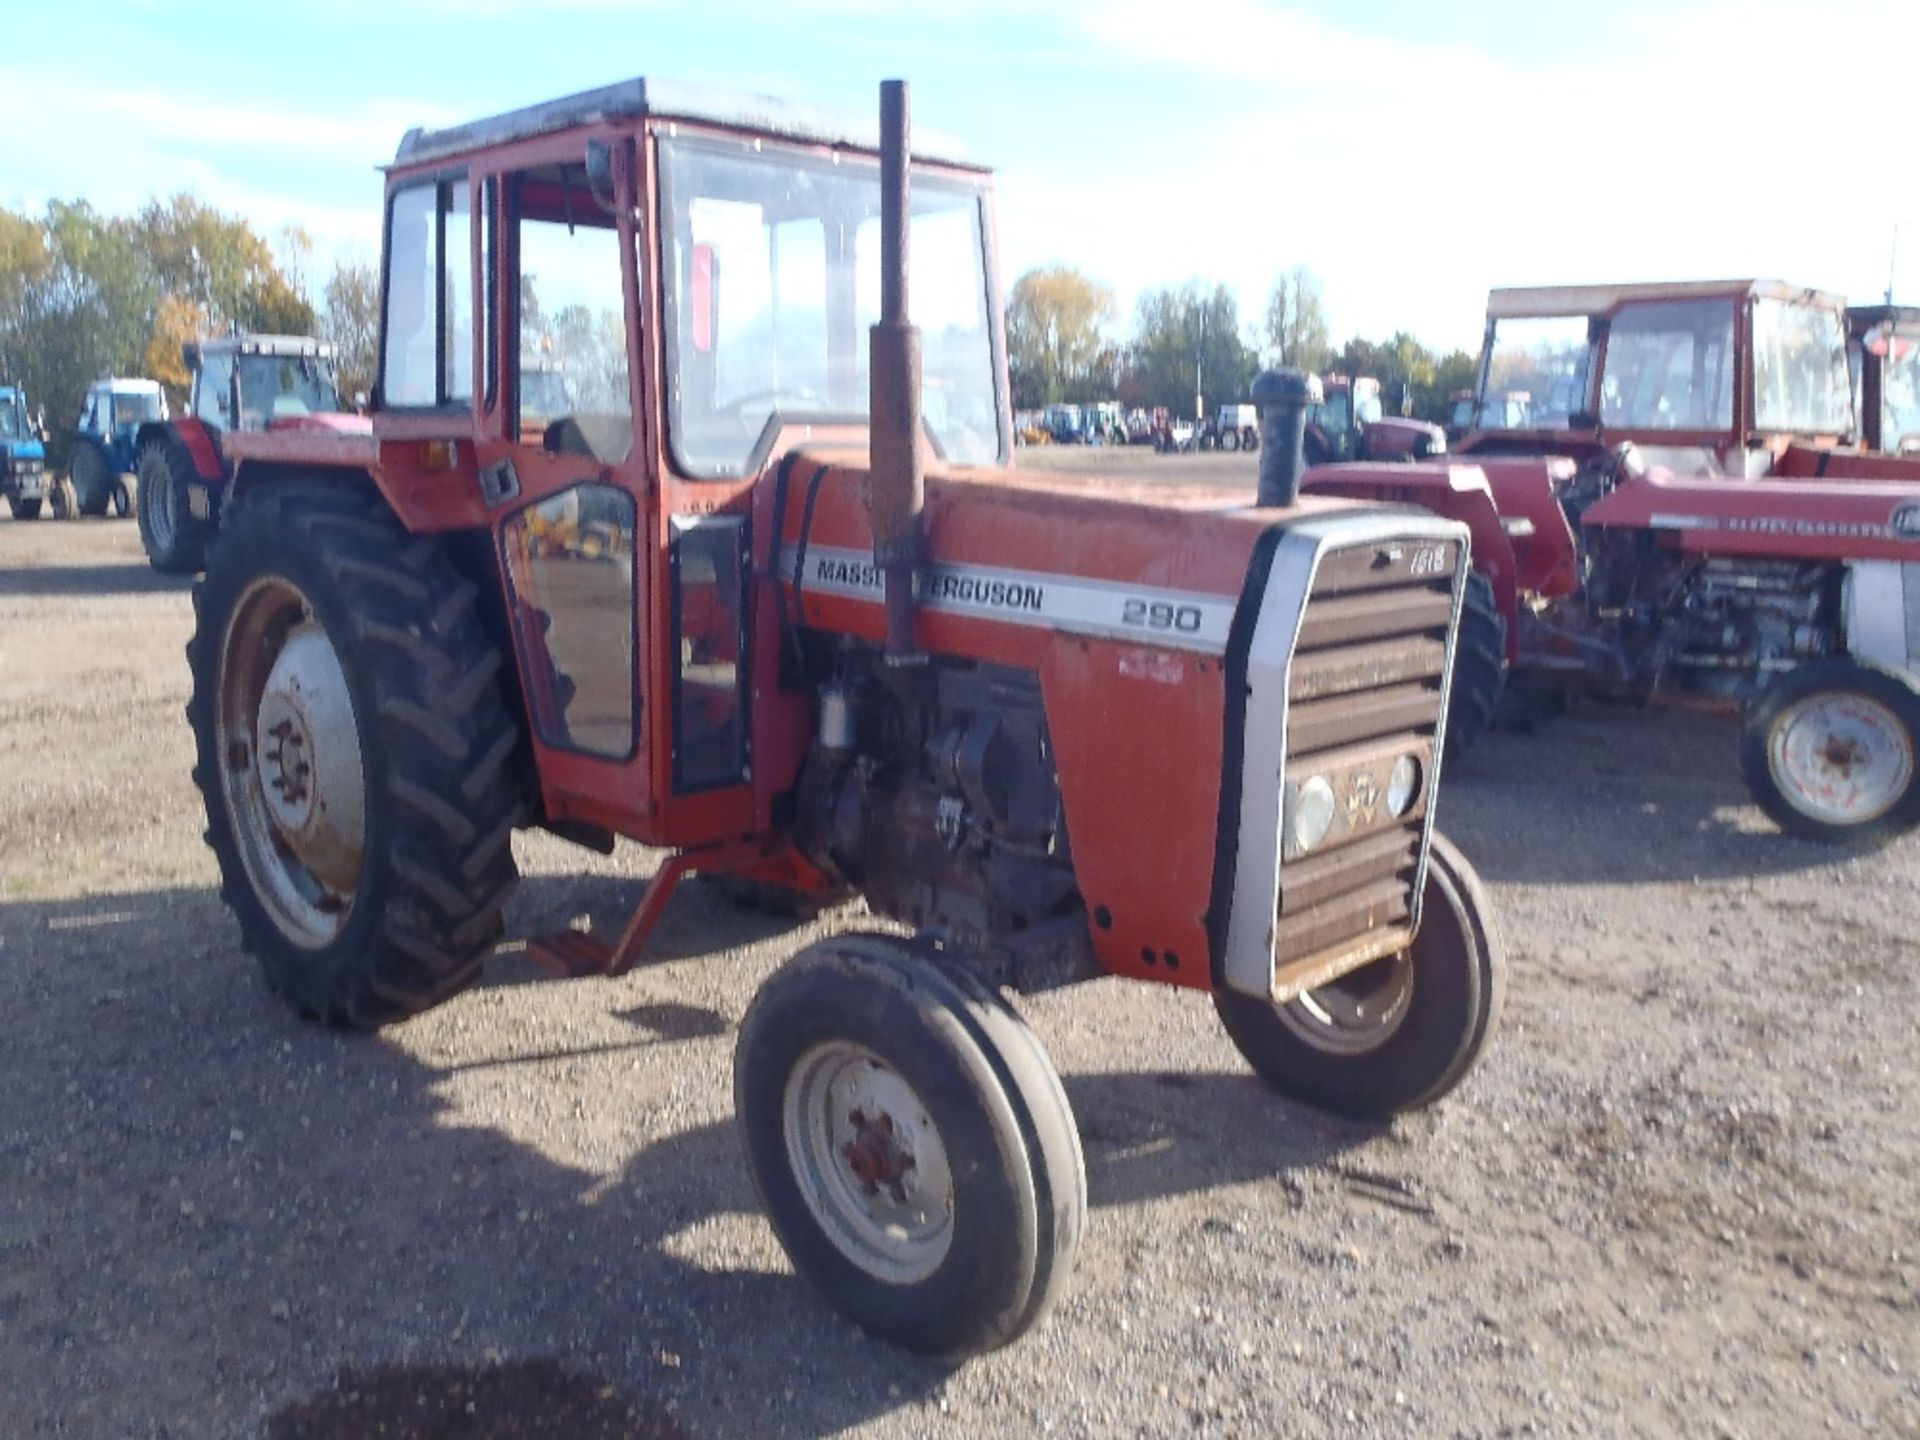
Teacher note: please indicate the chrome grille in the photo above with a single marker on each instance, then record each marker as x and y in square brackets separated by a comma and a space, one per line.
[1366, 687]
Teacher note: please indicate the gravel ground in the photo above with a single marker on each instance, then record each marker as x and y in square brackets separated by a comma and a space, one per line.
[1679, 1198]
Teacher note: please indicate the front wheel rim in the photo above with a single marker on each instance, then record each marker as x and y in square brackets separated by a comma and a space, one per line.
[1358, 1012]
[869, 1162]
[291, 770]
[1840, 757]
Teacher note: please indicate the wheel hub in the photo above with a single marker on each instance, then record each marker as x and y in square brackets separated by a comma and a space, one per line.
[1841, 758]
[870, 1162]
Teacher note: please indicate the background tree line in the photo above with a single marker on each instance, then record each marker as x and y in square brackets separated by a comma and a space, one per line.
[83, 295]
[1188, 341]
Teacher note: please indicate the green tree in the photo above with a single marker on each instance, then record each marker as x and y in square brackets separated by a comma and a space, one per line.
[219, 263]
[1187, 347]
[350, 322]
[1296, 322]
[1054, 319]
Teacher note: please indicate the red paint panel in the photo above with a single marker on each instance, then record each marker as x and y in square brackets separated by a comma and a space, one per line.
[1827, 520]
[1138, 735]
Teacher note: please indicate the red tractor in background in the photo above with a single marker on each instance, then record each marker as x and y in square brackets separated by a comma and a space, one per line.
[752, 601]
[1883, 347]
[250, 395]
[1350, 423]
[1674, 508]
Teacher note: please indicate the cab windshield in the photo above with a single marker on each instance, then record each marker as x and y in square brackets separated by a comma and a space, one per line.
[1670, 366]
[1800, 379]
[1900, 393]
[772, 261]
[130, 410]
[1537, 372]
[274, 387]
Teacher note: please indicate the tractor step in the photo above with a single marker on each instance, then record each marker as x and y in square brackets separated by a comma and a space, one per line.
[571, 954]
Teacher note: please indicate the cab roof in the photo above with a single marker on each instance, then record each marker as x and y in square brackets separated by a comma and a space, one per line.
[1544, 300]
[123, 385]
[673, 100]
[1862, 318]
[264, 345]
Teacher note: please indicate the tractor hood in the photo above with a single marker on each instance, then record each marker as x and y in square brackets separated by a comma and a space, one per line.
[1814, 520]
[326, 422]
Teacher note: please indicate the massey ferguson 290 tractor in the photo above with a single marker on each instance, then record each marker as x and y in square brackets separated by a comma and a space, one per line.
[769, 597]
[251, 393]
[1669, 504]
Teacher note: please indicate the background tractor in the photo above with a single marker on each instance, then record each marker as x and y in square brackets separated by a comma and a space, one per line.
[23, 455]
[1679, 514]
[251, 396]
[1883, 347]
[1350, 423]
[106, 446]
[749, 603]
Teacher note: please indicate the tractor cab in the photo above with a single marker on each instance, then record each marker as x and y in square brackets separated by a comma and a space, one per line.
[106, 445]
[1883, 348]
[262, 382]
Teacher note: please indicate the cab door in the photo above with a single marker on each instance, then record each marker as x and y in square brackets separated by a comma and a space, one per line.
[563, 468]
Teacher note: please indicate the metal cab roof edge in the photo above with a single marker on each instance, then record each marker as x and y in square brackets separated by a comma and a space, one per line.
[1512, 302]
[642, 98]
[1905, 318]
[262, 345]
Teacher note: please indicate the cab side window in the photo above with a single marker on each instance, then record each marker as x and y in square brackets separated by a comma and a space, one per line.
[427, 334]
[212, 389]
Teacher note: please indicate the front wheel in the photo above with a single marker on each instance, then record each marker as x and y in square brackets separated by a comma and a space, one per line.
[1479, 665]
[92, 479]
[1396, 1034]
[1230, 441]
[24, 509]
[354, 754]
[1832, 751]
[911, 1143]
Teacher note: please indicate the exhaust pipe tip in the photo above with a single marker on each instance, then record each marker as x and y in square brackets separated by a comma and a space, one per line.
[1282, 397]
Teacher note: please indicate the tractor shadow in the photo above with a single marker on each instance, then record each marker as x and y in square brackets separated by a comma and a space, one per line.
[1612, 794]
[305, 1234]
[58, 581]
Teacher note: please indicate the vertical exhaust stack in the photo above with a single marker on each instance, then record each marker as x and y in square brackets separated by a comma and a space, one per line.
[1283, 397]
[896, 496]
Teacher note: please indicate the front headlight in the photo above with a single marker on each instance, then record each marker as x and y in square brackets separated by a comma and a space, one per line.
[1312, 812]
[1403, 785]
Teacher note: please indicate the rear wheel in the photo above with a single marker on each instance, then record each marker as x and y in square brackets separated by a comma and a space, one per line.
[1396, 1034]
[175, 541]
[1479, 665]
[1832, 752]
[92, 479]
[911, 1142]
[353, 754]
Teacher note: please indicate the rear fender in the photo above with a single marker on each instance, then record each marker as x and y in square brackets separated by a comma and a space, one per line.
[194, 436]
[1457, 492]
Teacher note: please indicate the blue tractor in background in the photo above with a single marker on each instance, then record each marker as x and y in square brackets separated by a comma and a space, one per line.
[105, 450]
[23, 455]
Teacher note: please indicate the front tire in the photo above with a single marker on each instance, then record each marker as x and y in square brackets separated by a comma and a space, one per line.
[1832, 752]
[1479, 665]
[24, 509]
[175, 541]
[1399, 1033]
[92, 479]
[353, 753]
[911, 1142]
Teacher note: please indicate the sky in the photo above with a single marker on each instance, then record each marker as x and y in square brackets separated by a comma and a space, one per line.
[1410, 154]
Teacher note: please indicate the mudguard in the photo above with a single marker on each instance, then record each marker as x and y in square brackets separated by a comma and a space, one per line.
[197, 438]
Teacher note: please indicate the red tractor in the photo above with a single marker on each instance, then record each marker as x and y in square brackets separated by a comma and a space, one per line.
[251, 395]
[1350, 423]
[1883, 346]
[756, 601]
[1674, 510]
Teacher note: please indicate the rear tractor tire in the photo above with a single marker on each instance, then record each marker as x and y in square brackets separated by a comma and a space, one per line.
[1832, 752]
[911, 1142]
[354, 754]
[1479, 666]
[175, 541]
[1399, 1033]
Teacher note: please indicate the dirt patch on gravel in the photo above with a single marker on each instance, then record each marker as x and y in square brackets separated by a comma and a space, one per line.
[1678, 1199]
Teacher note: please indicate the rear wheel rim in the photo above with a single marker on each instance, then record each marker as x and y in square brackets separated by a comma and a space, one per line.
[1358, 1012]
[869, 1162]
[291, 768]
[1840, 757]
